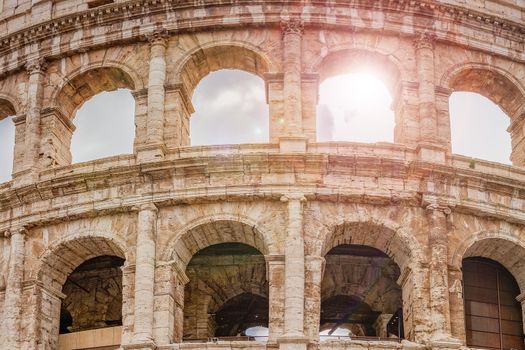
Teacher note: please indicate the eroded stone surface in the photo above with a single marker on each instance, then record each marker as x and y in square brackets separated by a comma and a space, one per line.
[293, 200]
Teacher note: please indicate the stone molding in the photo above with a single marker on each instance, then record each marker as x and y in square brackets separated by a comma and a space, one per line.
[119, 10]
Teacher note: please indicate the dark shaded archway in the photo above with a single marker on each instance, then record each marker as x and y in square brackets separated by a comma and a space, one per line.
[493, 317]
[240, 313]
[359, 292]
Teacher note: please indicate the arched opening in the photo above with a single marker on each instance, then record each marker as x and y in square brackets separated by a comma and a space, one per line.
[7, 140]
[360, 296]
[227, 293]
[98, 107]
[485, 104]
[355, 97]
[114, 110]
[241, 313]
[86, 277]
[230, 108]
[225, 83]
[477, 125]
[493, 316]
[93, 295]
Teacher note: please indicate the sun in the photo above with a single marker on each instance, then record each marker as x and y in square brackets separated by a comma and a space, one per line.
[358, 107]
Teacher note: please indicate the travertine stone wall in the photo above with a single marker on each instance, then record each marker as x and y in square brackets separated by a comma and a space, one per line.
[292, 199]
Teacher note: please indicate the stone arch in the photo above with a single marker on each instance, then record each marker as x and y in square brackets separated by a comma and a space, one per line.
[63, 256]
[87, 81]
[504, 248]
[385, 236]
[8, 106]
[204, 231]
[343, 58]
[202, 60]
[497, 84]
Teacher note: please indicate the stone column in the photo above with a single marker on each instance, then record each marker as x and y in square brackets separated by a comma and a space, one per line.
[145, 276]
[275, 277]
[312, 306]
[294, 282]
[154, 146]
[430, 148]
[438, 269]
[293, 139]
[13, 291]
[35, 70]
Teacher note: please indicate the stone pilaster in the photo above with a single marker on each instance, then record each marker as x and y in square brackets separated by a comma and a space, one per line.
[416, 319]
[294, 283]
[170, 280]
[438, 270]
[32, 139]
[310, 95]
[424, 45]
[275, 276]
[457, 307]
[293, 139]
[430, 147]
[13, 291]
[315, 266]
[145, 277]
[154, 146]
[521, 299]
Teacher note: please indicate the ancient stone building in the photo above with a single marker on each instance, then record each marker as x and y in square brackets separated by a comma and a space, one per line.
[404, 245]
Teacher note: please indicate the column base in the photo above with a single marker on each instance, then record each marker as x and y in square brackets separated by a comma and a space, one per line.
[150, 153]
[430, 152]
[293, 144]
[293, 342]
[146, 345]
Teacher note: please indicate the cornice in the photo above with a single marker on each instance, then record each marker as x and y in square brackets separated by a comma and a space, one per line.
[114, 13]
[39, 204]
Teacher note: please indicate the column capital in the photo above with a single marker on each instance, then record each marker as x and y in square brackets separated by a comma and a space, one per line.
[36, 66]
[15, 231]
[158, 37]
[424, 40]
[147, 207]
[293, 197]
[293, 25]
[436, 207]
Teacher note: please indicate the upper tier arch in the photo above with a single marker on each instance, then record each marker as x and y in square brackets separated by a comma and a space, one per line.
[210, 57]
[495, 83]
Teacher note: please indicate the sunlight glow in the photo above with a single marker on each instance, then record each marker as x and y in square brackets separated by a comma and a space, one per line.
[479, 128]
[230, 108]
[105, 126]
[7, 143]
[355, 107]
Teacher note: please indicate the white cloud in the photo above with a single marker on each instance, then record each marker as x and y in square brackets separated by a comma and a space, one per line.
[7, 143]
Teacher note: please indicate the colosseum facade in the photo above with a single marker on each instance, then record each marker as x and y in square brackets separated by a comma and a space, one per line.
[404, 245]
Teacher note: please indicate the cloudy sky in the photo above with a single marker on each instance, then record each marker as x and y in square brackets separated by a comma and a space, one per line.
[230, 108]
